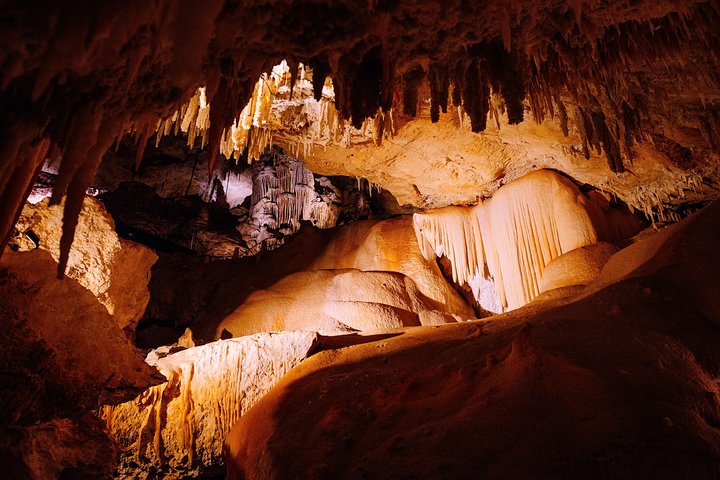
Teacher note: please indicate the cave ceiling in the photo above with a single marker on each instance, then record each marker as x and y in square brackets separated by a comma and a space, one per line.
[76, 76]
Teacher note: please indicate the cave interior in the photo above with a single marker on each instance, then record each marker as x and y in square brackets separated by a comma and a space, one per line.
[360, 239]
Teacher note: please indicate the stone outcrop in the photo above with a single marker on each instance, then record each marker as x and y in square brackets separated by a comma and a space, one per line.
[177, 428]
[115, 270]
[62, 355]
[334, 302]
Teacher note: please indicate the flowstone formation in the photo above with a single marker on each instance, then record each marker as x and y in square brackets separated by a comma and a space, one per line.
[176, 429]
[285, 193]
[621, 383]
[335, 302]
[511, 237]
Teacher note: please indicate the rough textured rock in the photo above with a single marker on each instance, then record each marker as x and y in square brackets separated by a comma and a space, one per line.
[59, 448]
[62, 355]
[334, 302]
[580, 266]
[434, 165]
[116, 271]
[619, 384]
[177, 428]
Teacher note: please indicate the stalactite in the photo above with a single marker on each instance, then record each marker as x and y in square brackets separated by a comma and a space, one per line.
[82, 179]
[609, 61]
[511, 237]
[439, 86]
[320, 71]
[411, 83]
[81, 136]
[143, 138]
[17, 190]
[366, 89]
[476, 96]
[513, 93]
[608, 141]
[562, 112]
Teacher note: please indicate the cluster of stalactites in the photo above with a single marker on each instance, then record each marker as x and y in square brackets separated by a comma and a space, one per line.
[284, 194]
[249, 133]
[511, 237]
[259, 125]
[593, 72]
[607, 79]
[484, 69]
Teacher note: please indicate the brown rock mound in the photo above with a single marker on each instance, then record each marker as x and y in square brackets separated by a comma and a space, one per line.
[61, 354]
[619, 384]
[116, 271]
[333, 302]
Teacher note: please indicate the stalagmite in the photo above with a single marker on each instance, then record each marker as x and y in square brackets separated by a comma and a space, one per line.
[511, 237]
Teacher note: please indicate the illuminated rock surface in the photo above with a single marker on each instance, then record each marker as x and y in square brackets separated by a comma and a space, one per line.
[621, 384]
[369, 276]
[514, 235]
[115, 270]
[177, 428]
[333, 302]
[580, 266]
[388, 246]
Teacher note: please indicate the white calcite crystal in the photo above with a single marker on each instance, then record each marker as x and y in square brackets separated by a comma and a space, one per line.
[511, 237]
[284, 193]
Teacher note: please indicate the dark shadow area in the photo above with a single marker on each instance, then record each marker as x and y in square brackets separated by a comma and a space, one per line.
[333, 342]
[189, 291]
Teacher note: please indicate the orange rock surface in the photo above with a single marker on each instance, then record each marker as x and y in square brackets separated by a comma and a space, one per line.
[620, 384]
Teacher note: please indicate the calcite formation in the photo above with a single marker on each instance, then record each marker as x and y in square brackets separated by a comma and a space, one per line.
[369, 275]
[619, 384]
[278, 192]
[286, 192]
[334, 302]
[389, 245]
[577, 267]
[177, 428]
[115, 270]
[511, 237]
